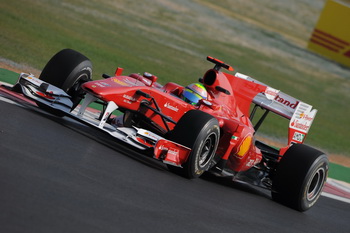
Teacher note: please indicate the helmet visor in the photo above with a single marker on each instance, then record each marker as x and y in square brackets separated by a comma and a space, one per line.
[191, 97]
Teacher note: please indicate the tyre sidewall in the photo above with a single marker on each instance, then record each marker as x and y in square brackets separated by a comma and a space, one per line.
[320, 163]
[81, 73]
[209, 130]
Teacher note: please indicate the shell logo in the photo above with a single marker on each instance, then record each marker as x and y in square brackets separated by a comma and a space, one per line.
[244, 147]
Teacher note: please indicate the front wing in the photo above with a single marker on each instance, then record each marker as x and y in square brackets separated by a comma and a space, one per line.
[46, 94]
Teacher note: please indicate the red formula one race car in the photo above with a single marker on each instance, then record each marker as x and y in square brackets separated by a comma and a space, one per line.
[203, 127]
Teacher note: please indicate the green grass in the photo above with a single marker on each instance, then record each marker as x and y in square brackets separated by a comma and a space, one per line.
[339, 172]
[172, 39]
[8, 76]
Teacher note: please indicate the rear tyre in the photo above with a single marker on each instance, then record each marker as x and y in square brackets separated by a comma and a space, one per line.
[300, 177]
[68, 70]
[200, 132]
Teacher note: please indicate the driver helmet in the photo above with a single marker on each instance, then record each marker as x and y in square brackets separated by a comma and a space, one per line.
[193, 93]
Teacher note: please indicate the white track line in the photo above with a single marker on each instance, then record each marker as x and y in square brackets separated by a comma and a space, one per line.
[339, 198]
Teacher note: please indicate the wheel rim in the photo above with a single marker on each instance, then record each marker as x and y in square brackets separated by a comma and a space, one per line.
[80, 80]
[75, 90]
[207, 150]
[316, 184]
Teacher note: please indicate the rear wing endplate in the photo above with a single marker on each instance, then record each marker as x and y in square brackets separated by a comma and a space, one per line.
[300, 123]
[300, 114]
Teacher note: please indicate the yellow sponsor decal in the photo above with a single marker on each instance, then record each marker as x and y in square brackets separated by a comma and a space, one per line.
[119, 82]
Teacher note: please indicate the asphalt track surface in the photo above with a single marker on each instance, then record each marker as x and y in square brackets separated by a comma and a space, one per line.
[57, 175]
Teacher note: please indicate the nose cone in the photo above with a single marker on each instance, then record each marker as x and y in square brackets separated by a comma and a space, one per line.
[111, 85]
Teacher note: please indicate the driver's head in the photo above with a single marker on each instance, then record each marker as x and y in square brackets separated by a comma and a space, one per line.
[193, 93]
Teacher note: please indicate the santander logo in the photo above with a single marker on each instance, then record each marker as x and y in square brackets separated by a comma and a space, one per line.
[302, 118]
[169, 106]
[302, 126]
[292, 103]
[170, 151]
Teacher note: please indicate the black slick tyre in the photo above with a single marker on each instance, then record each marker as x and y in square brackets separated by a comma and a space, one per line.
[67, 69]
[200, 132]
[300, 177]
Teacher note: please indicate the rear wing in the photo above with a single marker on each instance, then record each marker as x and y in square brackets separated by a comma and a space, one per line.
[300, 114]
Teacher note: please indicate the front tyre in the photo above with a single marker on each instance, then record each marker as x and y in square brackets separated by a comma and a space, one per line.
[300, 177]
[67, 70]
[200, 132]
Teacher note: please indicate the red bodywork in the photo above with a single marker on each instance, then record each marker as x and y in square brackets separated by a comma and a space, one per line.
[230, 107]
